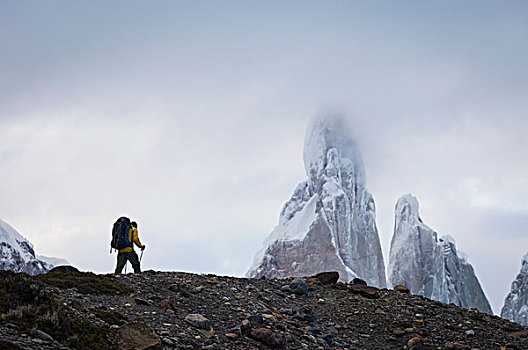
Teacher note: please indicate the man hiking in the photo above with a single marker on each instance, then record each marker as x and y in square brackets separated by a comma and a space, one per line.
[128, 253]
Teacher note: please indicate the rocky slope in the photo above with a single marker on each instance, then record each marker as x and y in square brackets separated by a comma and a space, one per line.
[17, 253]
[428, 265]
[516, 304]
[172, 310]
[329, 223]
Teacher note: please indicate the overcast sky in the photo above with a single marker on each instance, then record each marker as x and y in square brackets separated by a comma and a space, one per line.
[189, 117]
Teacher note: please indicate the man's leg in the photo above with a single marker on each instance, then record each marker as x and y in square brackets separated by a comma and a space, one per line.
[121, 261]
[134, 260]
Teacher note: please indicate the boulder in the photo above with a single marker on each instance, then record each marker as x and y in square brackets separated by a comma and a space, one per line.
[44, 336]
[198, 321]
[268, 337]
[402, 289]
[298, 286]
[328, 277]
[143, 302]
[136, 335]
[359, 281]
[366, 291]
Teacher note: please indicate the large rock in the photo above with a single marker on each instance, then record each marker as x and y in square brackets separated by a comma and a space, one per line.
[268, 337]
[198, 321]
[329, 224]
[402, 289]
[136, 335]
[516, 304]
[328, 277]
[366, 291]
[428, 265]
[298, 286]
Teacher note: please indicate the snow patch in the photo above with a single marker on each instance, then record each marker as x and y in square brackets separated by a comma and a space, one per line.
[298, 226]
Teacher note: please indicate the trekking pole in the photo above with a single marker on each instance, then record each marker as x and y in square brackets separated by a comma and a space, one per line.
[126, 266]
[141, 257]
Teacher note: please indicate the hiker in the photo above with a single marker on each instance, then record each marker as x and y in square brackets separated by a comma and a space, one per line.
[128, 253]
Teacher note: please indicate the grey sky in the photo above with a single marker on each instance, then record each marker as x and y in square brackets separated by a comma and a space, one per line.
[190, 118]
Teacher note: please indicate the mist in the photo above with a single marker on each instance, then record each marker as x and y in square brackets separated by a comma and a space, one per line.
[191, 119]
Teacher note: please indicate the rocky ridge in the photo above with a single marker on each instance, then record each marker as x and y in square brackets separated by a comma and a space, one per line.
[175, 310]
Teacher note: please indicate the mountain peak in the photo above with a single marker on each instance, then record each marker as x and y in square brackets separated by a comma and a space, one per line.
[330, 222]
[515, 306]
[331, 151]
[18, 254]
[524, 263]
[407, 207]
[428, 265]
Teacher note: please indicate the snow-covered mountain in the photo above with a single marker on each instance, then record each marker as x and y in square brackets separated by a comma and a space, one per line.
[330, 222]
[428, 265]
[516, 304]
[53, 261]
[17, 253]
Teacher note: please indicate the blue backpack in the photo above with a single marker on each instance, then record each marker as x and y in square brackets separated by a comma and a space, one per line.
[120, 234]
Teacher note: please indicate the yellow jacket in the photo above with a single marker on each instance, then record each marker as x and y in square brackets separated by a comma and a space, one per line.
[132, 237]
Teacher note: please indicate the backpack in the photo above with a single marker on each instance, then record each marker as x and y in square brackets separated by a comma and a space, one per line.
[120, 234]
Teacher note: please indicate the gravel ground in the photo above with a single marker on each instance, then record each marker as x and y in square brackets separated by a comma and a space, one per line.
[173, 310]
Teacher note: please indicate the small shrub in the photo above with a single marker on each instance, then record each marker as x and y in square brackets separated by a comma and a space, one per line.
[25, 302]
[77, 333]
[17, 289]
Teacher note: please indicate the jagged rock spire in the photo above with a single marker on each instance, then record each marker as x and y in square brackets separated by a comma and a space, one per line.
[516, 304]
[429, 265]
[330, 222]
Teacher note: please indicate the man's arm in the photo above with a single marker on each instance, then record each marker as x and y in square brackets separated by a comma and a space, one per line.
[135, 238]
